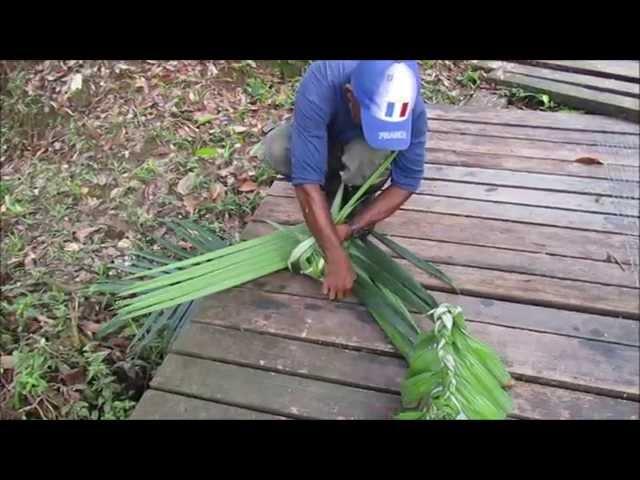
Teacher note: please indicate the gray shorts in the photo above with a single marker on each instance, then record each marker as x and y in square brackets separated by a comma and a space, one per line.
[352, 163]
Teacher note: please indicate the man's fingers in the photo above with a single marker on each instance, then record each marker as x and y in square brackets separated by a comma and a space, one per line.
[325, 288]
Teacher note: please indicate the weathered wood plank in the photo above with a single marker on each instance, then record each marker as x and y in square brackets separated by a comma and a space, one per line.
[609, 85]
[495, 312]
[574, 96]
[523, 196]
[535, 289]
[585, 365]
[157, 405]
[320, 362]
[521, 262]
[532, 180]
[532, 148]
[623, 70]
[532, 165]
[271, 392]
[504, 211]
[474, 231]
[532, 118]
[375, 371]
[581, 137]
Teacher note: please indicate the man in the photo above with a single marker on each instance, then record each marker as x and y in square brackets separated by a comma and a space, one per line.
[348, 117]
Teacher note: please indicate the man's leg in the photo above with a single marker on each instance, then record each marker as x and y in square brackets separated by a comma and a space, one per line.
[275, 152]
[360, 161]
[275, 149]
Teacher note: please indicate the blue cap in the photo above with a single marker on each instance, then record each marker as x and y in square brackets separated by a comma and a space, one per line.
[386, 91]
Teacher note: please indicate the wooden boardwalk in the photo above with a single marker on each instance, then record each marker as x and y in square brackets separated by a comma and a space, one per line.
[610, 87]
[540, 237]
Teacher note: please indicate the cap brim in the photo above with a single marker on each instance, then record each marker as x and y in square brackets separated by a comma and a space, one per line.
[383, 135]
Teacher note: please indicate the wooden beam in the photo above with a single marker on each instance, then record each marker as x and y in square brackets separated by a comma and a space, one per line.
[581, 80]
[574, 96]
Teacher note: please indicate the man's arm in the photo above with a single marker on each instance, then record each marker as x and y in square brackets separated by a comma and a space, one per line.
[339, 274]
[386, 204]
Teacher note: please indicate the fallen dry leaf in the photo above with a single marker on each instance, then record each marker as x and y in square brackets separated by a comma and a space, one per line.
[116, 192]
[111, 252]
[29, 259]
[89, 327]
[185, 186]
[216, 192]
[43, 319]
[191, 203]
[84, 277]
[7, 362]
[124, 244]
[589, 161]
[72, 247]
[73, 377]
[83, 233]
[247, 186]
[238, 129]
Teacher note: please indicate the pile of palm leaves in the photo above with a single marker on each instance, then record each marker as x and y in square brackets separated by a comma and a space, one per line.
[451, 375]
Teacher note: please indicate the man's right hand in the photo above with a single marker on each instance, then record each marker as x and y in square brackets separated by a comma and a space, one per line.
[339, 275]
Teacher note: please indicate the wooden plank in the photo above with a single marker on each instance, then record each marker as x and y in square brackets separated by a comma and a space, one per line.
[579, 137]
[532, 148]
[520, 196]
[532, 165]
[521, 262]
[157, 405]
[516, 213]
[535, 181]
[532, 118]
[374, 371]
[320, 362]
[574, 96]
[609, 85]
[535, 289]
[585, 365]
[474, 231]
[271, 392]
[491, 311]
[623, 70]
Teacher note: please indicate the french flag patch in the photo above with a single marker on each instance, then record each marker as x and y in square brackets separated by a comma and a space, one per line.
[391, 111]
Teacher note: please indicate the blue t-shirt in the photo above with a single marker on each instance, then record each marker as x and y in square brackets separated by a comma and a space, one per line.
[322, 115]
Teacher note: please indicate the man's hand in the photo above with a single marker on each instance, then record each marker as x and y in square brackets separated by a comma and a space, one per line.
[339, 275]
[344, 232]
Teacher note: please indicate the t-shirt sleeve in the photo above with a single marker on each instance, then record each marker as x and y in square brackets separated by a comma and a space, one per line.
[408, 167]
[311, 117]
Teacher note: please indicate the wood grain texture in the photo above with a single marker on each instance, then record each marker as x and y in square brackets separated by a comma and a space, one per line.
[514, 163]
[579, 364]
[624, 70]
[374, 371]
[553, 135]
[480, 208]
[532, 118]
[604, 103]
[610, 85]
[271, 392]
[495, 312]
[158, 405]
[532, 181]
[532, 148]
[482, 232]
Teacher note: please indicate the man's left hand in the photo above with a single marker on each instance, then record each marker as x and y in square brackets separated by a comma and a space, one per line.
[344, 232]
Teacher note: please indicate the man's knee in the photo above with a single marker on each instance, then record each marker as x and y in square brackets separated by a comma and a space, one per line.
[276, 149]
[360, 161]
